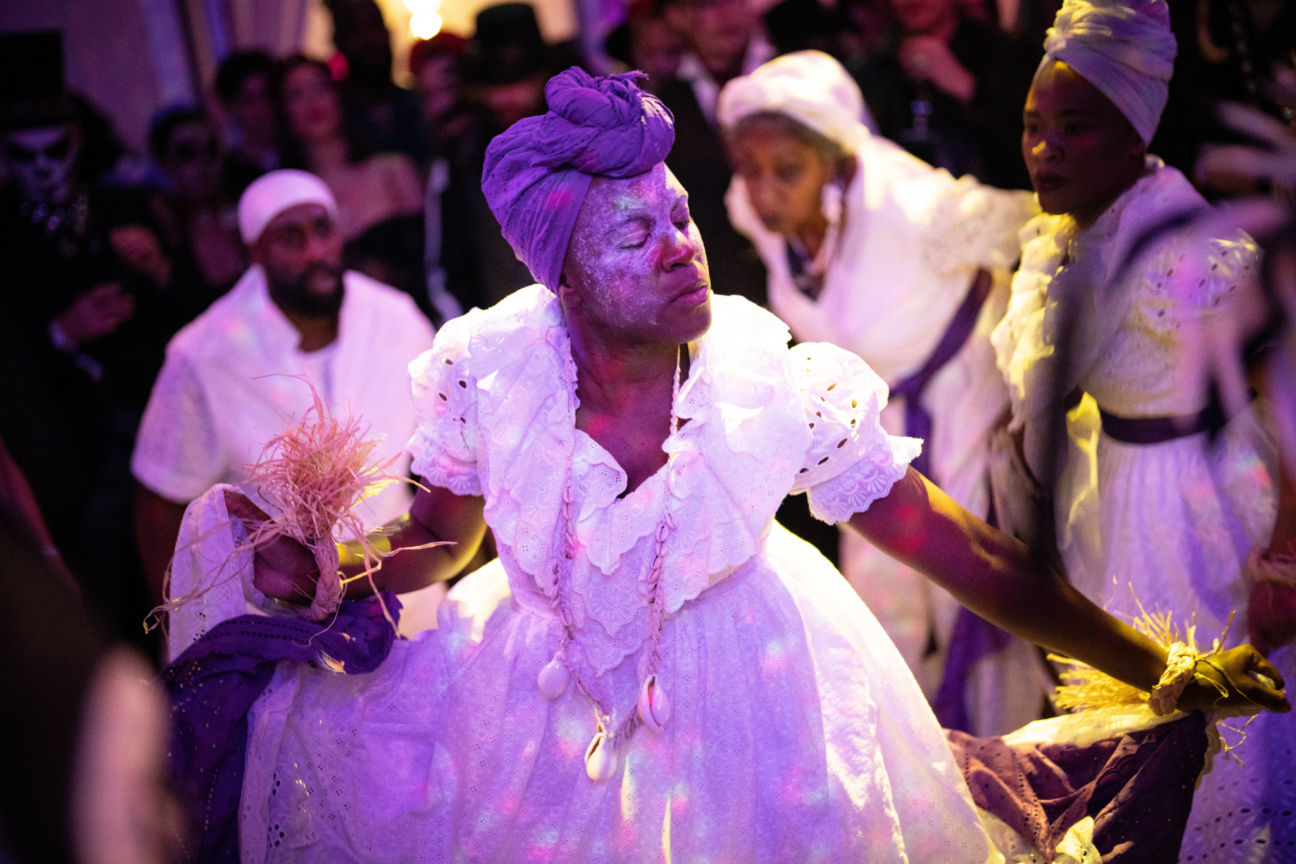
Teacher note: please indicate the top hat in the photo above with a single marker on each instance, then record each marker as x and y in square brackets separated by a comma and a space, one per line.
[31, 80]
[507, 46]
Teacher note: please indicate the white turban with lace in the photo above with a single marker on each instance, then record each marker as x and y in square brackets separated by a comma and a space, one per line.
[1125, 49]
[808, 86]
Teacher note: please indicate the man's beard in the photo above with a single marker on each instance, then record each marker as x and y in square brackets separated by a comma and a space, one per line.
[297, 296]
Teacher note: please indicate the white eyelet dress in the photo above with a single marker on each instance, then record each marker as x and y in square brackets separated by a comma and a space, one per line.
[796, 733]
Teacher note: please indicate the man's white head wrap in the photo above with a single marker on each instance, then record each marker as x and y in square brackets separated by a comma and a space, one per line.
[273, 193]
[1125, 49]
[808, 86]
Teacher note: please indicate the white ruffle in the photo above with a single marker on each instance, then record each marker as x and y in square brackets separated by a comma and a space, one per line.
[497, 418]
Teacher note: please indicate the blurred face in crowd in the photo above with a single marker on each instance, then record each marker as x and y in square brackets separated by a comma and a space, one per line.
[42, 162]
[717, 31]
[253, 109]
[301, 253]
[438, 86]
[655, 49]
[923, 17]
[1080, 150]
[509, 103]
[361, 35]
[311, 103]
[784, 172]
[192, 160]
[636, 269]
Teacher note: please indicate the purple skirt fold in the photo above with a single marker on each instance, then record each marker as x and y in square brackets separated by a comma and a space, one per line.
[1138, 788]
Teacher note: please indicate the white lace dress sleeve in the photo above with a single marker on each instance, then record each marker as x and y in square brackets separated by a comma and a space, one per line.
[444, 446]
[852, 461]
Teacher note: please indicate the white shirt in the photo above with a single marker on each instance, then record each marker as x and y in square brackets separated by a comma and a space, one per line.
[234, 378]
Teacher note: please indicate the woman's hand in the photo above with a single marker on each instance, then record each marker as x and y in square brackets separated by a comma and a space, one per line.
[141, 252]
[283, 568]
[1236, 670]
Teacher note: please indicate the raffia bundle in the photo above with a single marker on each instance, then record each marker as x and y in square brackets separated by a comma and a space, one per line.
[313, 474]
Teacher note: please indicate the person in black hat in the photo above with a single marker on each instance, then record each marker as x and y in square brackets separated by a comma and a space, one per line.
[505, 66]
[84, 321]
[385, 114]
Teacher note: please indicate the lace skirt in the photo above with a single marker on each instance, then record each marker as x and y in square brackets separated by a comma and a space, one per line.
[797, 734]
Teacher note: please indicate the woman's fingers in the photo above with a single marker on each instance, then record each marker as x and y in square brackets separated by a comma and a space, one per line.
[283, 568]
[1241, 666]
[241, 507]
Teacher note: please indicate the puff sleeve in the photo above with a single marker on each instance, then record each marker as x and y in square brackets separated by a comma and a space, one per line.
[444, 447]
[852, 461]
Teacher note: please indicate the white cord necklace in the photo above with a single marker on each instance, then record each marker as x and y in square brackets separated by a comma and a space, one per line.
[654, 708]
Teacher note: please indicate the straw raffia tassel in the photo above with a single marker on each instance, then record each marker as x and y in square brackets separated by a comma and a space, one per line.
[1093, 688]
[314, 474]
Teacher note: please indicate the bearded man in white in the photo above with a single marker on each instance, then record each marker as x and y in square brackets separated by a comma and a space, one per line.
[237, 375]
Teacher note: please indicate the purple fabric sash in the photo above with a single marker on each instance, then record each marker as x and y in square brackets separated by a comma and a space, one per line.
[214, 684]
[1158, 430]
[1138, 788]
[918, 420]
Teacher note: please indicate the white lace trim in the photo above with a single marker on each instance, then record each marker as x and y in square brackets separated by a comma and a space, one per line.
[866, 481]
[749, 404]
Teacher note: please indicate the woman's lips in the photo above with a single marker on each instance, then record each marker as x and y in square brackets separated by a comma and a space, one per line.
[1048, 182]
[694, 296]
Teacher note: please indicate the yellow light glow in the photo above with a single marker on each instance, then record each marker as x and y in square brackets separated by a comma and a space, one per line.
[425, 22]
[425, 25]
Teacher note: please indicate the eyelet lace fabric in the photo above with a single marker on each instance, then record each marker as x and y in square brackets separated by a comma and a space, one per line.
[495, 420]
[797, 733]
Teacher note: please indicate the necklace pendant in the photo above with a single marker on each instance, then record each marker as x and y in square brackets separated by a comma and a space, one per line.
[600, 758]
[654, 704]
[552, 680]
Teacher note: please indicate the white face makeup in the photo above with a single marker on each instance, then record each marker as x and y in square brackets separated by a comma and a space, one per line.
[42, 162]
[636, 268]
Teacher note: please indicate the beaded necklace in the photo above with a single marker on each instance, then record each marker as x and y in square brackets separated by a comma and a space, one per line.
[653, 709]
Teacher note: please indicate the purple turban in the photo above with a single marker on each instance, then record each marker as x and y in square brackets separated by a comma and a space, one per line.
[538, 171]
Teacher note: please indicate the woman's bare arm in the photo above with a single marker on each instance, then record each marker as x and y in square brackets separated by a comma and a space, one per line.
[995, 576]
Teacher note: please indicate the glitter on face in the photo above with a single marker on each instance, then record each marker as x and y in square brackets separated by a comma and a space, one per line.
[637, 262]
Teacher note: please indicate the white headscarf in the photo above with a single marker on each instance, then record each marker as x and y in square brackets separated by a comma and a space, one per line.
[1125, 49]
[808, 86]
[273, 193]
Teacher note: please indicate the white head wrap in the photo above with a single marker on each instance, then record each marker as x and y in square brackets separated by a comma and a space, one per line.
[1125, 49]
[808, 86]
[273, 193]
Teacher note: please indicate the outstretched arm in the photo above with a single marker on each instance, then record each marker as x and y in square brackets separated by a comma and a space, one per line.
[286, 570]
[995, 576]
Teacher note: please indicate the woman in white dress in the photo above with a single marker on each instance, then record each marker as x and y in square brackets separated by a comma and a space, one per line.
[873, 250]
[653, 669]
[1182, 495]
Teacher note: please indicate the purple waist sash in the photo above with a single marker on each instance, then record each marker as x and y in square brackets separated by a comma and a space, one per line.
[1158, 430]
[918, 420]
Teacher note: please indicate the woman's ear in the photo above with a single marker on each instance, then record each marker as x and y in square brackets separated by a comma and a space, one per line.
[567, 295]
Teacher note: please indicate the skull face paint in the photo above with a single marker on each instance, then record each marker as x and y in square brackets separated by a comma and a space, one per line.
[42, 162]
[636, 267]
